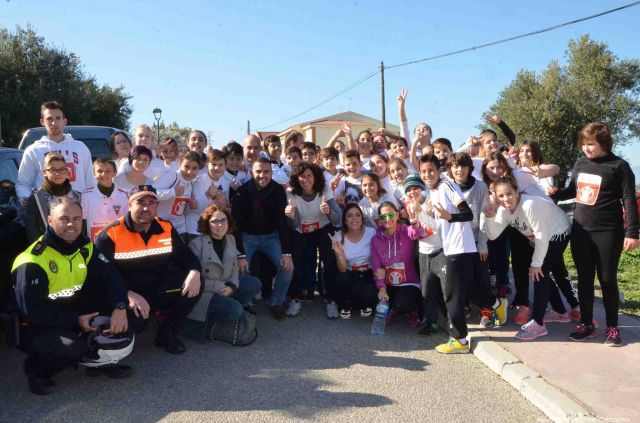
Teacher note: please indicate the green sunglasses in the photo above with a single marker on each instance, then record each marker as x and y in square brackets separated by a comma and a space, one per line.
[390, 215]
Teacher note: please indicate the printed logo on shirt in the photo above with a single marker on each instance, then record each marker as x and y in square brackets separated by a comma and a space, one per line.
[308, 227]
[396, 274]
[116, 209]
[71, 172]
[588, 188]
[179, 206]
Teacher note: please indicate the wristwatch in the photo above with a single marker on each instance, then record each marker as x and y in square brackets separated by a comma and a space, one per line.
[121, 306]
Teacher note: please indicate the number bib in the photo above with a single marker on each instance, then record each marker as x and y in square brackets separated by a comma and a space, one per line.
[179, 206]
[396, 274]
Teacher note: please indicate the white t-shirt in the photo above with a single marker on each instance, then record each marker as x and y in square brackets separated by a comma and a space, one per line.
[358, 255]
[99, 210]
[430, 242]
[457, 237]
[155, 172]
[351, 187]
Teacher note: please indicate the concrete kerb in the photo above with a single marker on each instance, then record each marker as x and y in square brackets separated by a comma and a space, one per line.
[551, 401]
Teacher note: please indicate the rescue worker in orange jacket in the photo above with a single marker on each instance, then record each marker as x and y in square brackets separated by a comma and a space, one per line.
[161, 273]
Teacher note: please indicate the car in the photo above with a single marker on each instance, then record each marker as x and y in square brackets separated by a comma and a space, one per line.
[9, 163]
[95, 137]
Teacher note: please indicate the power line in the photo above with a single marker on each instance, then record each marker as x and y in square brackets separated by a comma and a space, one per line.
[452, 53]
[528, 34]
[338, 94]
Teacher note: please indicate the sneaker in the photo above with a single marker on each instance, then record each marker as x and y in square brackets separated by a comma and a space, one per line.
[453, 346]
[488, 318]
[501, 311]
[279, 311]
[113, 371]
[294, 308]
[168, 339]
[345, 314]
[575, 314]
[523, 314]
[414, 320]
[366, 312]
[390, 317]
[582, 332]
[332, 310]
[39, 384]
[531, 330]
[612, 337]
[554, 316]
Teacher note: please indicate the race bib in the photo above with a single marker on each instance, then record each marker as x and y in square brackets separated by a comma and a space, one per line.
[360, 267]
[588, 188]
[71, 172]
[96, 228]
[179, 206]
[396, 274]
[309, 227]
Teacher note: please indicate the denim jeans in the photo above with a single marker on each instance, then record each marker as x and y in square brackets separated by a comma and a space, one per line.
[269, 245]
[226, 309]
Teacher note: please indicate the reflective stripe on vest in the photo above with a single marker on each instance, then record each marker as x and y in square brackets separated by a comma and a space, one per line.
[66, 273]
[130, 245]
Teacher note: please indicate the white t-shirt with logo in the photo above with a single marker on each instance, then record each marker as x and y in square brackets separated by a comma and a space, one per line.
[358, 255]
[457, 237]
[99, 210]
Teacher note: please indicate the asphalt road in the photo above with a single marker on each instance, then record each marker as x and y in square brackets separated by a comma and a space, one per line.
[304, 368]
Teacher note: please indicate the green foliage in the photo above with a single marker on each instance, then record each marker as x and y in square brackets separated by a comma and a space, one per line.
[553, 106]
[174, 131]
[32, 72]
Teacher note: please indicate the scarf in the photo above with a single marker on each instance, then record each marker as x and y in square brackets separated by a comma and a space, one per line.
[55, 189]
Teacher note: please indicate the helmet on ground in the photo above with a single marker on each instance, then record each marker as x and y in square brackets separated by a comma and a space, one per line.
[106, 347]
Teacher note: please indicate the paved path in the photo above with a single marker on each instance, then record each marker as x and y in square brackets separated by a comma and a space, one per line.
[305, 368]
[605, 380]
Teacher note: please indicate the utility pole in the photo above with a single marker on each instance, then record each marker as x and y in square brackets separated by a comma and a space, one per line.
[384, 118]
[248, 127]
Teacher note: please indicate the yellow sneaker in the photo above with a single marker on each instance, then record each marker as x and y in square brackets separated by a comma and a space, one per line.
[453, 346]
[501, 311]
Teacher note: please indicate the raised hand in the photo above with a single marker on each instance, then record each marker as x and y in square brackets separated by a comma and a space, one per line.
[490, 208]
[489, 117]
[346, 130]
[324, 206]
[444, 214]
[336, 181]
[402, 97]
[290, 210]
[338, 248]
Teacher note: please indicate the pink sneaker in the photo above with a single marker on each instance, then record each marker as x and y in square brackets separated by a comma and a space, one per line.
[390, 317]
[531, 330]
[523, 314]
[414, 320]
[554, 316]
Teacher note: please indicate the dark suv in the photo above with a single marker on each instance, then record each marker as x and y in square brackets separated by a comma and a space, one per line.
[95, 137]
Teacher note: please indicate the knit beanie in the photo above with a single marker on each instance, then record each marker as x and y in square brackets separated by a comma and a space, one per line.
[413, 180]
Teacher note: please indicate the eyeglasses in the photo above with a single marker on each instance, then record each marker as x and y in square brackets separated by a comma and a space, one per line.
[390, 215]
[60, 171]
[218, 221]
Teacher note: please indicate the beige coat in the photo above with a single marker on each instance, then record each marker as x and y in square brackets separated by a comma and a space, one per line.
[216, 272]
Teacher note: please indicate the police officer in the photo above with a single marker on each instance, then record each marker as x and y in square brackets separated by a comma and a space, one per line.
[60, 283]
[161, 272]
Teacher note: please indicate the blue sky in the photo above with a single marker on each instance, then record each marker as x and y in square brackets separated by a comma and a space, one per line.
[215, 65]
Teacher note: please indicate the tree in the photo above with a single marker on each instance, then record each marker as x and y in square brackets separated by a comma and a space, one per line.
[552, 107]
[32, 72]
[174, 131]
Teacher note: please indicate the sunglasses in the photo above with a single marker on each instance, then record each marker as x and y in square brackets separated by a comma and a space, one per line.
[390, 215]
[218, 221]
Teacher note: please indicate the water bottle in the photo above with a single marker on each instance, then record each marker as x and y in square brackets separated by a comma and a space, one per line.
[380, 318]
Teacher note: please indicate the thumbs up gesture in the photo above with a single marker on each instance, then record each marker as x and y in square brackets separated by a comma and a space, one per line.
[290, 209]
[324, 207]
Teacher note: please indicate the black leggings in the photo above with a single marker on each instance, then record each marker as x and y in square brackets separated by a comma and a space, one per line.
[327, 257]
[454, 287]
[597, 253]
[499, 260]
[545, 290]
[355, 290]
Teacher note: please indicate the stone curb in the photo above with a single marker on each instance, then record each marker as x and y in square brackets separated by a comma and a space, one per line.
[548, 399]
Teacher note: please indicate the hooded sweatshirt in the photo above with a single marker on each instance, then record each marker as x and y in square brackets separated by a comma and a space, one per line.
[395, 254]
[75, 153]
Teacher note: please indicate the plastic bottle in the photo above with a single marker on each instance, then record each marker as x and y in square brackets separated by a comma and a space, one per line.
[380, 318]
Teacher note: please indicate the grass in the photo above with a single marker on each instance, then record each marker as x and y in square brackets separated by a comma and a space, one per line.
[628, 279]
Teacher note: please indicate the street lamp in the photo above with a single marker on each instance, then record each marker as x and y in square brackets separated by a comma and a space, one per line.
[157, 114]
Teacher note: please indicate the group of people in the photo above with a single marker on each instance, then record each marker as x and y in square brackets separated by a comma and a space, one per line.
[195, 238]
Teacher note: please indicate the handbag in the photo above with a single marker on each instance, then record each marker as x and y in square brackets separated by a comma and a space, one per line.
[240, 333]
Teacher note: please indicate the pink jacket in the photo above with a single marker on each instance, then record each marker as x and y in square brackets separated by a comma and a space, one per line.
[395, 255]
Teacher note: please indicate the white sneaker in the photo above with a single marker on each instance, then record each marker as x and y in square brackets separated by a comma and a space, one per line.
[294, 308]
[332, 310]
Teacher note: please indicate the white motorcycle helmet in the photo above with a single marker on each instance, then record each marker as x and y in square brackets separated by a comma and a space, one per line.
[105, 347]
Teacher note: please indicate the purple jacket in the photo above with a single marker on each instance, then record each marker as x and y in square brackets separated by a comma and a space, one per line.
[395, 255]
